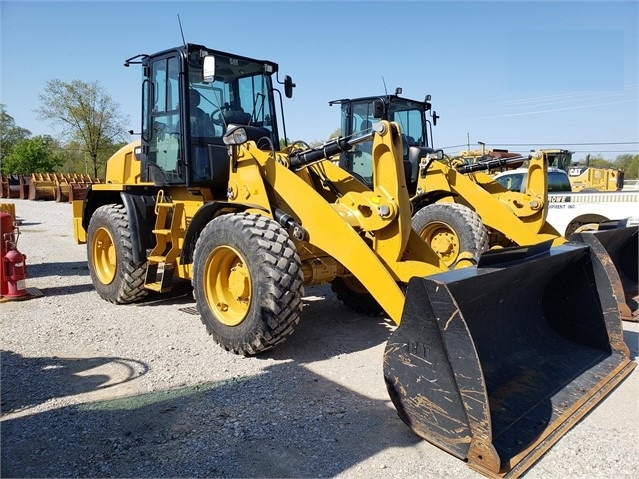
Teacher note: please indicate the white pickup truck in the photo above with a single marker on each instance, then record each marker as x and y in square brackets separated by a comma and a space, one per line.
[567, 211]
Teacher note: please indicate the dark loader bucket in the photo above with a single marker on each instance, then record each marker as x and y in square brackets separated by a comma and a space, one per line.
[495, 363]
[621, 244]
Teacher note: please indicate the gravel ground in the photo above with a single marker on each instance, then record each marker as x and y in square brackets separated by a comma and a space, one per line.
[90, 389]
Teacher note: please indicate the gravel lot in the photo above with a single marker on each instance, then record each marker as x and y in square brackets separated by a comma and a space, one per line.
[90, 389]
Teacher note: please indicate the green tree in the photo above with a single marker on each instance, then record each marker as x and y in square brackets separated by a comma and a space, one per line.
[10, 133]
[33, 155]
[598, 161]
[630, 165]
[336, 134]
[87, 114]
[75, 160]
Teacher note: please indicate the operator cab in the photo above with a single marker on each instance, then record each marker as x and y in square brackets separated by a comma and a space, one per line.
[191, 95]
[561, 159]
[357, 116]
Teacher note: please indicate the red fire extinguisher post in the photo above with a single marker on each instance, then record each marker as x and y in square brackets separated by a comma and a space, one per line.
[13, 268]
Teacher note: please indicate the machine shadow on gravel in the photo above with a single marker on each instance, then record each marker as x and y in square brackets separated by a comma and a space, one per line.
[28, 382]
[327, 329]
[73, 268]
[295, 424]
[66, 289]
[180, 294]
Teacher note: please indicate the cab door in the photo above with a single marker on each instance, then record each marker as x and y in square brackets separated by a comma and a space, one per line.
[161, 133]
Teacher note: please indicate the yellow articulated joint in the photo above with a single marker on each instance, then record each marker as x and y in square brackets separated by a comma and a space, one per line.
[370, 211]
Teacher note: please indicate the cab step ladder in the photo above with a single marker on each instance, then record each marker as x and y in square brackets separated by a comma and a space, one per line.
[168, 231]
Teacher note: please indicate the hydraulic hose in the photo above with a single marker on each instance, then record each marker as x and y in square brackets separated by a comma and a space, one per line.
[326, 150]
[487, 165]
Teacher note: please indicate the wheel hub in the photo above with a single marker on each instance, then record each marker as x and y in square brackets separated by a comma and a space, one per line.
[104, 257]
[228, 285]
[443, 244]
[443, 241]
[239, 282]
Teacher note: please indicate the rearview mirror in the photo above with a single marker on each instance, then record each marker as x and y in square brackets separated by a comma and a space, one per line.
[378, 109]
[288, 86]
[208, 69]
[437, 155]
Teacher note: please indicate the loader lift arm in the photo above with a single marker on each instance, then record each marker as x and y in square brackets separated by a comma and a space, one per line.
[382, 215]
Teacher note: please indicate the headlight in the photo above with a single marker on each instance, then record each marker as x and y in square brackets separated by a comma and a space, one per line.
[236, 136]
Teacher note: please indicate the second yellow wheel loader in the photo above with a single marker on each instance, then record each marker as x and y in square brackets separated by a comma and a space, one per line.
[458, 209]
[492, 363]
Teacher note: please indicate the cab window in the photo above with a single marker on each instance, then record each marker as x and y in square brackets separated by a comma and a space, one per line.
[511, 182]
[161, 96]
[558, 181]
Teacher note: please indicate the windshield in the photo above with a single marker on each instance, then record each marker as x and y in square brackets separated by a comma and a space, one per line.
[410, 116]
[561, 159]
[239, 94]
[407, 113]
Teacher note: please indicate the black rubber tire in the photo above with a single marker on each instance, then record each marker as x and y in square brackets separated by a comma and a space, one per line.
[116, 277]
[354, 296]
[263, 251]
[459, 222]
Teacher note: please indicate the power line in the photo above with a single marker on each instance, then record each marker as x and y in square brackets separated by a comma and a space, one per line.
[454, 146]
[565, 143]
[606, 151]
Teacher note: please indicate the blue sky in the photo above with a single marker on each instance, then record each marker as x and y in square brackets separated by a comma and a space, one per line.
[517, 74]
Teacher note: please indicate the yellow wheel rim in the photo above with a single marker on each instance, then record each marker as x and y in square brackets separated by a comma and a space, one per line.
[443, 240]
[104, 256]
[227, 285]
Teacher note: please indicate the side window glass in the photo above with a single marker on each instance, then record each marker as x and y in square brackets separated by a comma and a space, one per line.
[146, 87]
[163, 128]
[362, 153]
[504, 181]
[511, 182]
[410, 122]
[558, 182]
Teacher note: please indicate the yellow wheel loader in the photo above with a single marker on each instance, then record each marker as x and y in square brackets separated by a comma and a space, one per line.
[584, 177]
[492, 363]
[458, 209]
